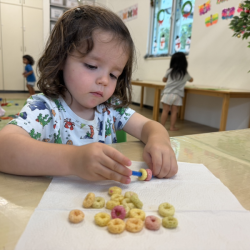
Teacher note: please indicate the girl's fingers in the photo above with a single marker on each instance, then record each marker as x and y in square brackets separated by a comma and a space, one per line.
[157, 163]
[109, 174]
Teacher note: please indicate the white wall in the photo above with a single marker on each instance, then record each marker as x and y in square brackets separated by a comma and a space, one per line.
[216, 59]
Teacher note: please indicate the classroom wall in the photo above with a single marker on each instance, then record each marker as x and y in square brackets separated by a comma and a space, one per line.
[216, 59]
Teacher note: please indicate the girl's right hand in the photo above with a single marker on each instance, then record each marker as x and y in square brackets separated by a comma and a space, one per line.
[97, 161]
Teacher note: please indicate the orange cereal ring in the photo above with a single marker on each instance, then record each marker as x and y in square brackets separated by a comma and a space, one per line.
[166, 209]
[76, 216]
[169, 222]
[152, 222]
[102, 219]
[99, 202]
[136, 201]
[137, 213]
[115, 190]
[144, 174]
[134, 225]
[116, 226]
[111, 204]
[89, 200]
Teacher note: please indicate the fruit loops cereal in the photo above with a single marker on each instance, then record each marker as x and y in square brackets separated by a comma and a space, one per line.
[98, 203]
[118, 212]
[102, 219]
[126, 202]
[169, 222]
[136, 201]
[128, 194]
[134, 225]
[152, 222]
[166, 209]
[89, 200]
[116, 226]
[111, 204]
[76, 216]
[144, 174]
[149, 177]
[115, 190]
[117, 197]
[137, 213]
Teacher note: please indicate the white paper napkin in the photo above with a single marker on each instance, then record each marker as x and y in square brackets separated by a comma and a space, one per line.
[209, 215]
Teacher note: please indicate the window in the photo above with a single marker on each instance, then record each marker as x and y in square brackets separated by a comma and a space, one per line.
[171, 29]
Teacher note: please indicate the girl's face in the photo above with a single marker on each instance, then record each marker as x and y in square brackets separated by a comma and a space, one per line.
[91, 80]
[25, 61]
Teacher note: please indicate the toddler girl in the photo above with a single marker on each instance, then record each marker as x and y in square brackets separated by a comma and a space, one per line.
[29, 74]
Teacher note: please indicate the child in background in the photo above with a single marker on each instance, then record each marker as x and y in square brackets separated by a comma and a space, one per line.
[85, 80]
[176, 78]
[29, 74]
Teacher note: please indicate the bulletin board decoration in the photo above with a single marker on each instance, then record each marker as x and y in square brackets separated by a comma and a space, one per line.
[227, 13]
[186, 14]
[211, 20]
[204, 8]
[221, 1]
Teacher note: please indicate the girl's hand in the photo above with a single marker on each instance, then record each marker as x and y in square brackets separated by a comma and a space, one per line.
[160, 157]
[98, 161]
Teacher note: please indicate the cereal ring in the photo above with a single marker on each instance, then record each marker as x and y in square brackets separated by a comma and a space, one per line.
[169, 222]
[89, 200]
[118, 212]
[166, 209]
[152, 222]
[149, 172]
[102, 219]
[127, 209]
[76, 216]
[116, 226]
[115, 190]
[111, 204]
[137, 213]
[134, 225]
[126, 202]
[128, 194]
[98, 203]
[117, 197]
[136, 201]
[144, 174]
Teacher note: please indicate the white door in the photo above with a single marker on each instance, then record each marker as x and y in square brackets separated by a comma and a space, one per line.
[33, 34]
[33, 3]
[1, 58]
[12, 46]
[12, 1]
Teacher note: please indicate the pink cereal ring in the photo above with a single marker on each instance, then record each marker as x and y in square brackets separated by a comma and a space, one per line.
[152, 222]
[118, 212]
[149, 177]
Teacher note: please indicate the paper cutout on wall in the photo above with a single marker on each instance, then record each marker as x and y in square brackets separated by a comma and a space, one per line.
[221, 1]
[240, 8]
[227, 13]
[162, 41]
[204, 8]
[186, 9]
[177, 44]
[187, 45]
[212, 19]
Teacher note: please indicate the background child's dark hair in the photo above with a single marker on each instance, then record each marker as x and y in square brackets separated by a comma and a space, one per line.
[73, 31]
[29, 58]
[178, 64]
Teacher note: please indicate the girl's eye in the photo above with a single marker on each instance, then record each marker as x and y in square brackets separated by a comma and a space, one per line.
[90, 66]
[113, 76]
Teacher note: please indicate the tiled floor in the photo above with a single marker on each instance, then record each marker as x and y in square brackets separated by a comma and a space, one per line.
[185, 127]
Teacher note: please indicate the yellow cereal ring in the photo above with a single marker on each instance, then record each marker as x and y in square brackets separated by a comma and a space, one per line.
[144, 174]
[76, 216]
[111, 204]
[98, 203]
[128, 194]
[169, 222]
[136, 201]
[115, 190]
[117, 197]
[89, 200]
[126, 202]
[102, 219]
[116, 226]
[134, 225]
[137, 213]
[166, 209]
[127, 209]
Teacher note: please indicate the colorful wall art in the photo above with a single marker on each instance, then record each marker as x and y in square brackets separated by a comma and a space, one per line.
[211, 20]
[204, 8]
[227, 13]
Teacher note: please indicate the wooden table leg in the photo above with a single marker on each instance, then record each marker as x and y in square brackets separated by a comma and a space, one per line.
[156, 104]
[182, 112]
[224, 112]
[142, 97]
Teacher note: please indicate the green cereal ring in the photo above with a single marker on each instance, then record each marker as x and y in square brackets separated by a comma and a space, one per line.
[128, 194]
[166, 209]
[111, 204]
[169, 222]
[126, 202]
[136, 201]
[99, 202]
[144, 175]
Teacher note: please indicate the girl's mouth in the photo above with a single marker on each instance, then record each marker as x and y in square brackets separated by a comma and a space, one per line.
[98, 94]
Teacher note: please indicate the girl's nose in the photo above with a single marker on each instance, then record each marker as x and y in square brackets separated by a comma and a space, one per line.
[103, 80]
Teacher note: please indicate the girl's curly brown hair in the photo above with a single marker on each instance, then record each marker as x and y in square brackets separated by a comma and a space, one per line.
[73, 31]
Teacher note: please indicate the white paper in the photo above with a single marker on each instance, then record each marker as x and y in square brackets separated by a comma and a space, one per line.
[209, 215]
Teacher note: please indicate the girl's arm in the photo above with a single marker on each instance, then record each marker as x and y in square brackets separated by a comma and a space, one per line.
[158, 153]
[23, 155]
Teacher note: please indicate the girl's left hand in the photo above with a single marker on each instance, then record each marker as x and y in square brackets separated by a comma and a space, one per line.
[160, 157]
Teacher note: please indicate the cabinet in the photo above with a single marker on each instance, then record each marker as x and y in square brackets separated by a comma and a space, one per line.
[22, 34]
[27, 3]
